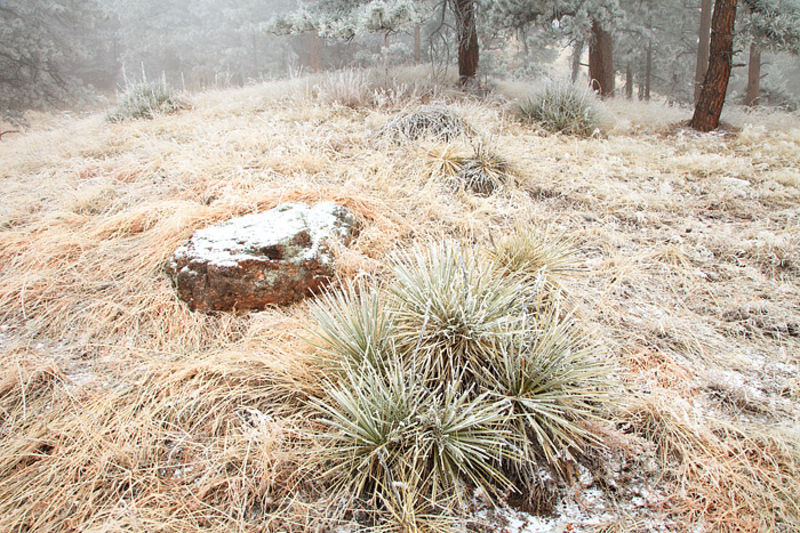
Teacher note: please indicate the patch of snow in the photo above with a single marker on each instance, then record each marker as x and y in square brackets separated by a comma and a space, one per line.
[245, 238]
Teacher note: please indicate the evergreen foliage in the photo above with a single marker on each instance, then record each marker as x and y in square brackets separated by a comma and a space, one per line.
[42, 42]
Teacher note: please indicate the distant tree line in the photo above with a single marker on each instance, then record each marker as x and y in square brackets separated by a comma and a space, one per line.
[686, 50]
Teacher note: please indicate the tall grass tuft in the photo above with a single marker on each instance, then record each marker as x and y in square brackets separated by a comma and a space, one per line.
[530, 252]
[562, 108]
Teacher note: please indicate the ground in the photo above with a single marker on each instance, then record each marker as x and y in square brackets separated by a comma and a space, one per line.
[120, 409]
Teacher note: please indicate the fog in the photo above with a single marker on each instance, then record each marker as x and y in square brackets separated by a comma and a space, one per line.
[67, 53]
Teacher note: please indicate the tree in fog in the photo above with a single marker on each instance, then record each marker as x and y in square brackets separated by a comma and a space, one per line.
[777, 21]
[769, 26]
[344, 19]
[579, 21]
[199, 41]
[43, 44]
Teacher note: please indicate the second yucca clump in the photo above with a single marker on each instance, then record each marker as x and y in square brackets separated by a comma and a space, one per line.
[454, 376]
[563, 108]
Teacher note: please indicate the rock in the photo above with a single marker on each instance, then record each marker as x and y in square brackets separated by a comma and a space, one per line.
[272, 258]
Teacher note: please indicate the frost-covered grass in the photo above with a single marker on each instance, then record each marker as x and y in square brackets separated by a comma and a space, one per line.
[122, 410]
[145, 100]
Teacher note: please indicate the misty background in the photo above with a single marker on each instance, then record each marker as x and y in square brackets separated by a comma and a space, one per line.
[74, 53]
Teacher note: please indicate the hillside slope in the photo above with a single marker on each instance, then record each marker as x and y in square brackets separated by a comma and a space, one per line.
[121, 410]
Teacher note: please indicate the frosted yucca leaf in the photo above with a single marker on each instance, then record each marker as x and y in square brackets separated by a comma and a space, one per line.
[385, 428]
[553, 382]
[452, 306]
[354, 326]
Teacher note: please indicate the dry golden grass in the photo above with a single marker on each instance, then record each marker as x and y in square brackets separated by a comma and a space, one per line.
[122, 410]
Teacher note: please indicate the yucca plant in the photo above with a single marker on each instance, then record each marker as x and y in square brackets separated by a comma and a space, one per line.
[450, 307]
[481, 172]
[354, 326]
[386, 428]
[562, 108]
[553, 382]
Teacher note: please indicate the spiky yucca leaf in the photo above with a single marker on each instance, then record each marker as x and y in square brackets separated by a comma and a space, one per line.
[553, 382]
[354, 325]
[450, 307]
[385, 427]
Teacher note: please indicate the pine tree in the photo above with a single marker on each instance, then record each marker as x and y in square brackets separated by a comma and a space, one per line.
[774, 21]
[41, 44]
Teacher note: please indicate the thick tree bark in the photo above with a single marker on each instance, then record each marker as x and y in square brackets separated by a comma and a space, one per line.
[753, 75]
[628, 82]
[467, 41]
[601, 61]
[715, 84]
[703, 43]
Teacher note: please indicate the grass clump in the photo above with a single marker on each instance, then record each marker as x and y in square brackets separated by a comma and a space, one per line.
[532, 253]
[146, 100]
[562, 108]
[434, 120]
[450, 380]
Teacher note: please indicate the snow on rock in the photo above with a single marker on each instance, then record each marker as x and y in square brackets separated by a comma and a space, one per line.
[270, 258]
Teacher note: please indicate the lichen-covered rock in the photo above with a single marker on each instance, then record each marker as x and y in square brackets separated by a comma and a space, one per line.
[272, 258]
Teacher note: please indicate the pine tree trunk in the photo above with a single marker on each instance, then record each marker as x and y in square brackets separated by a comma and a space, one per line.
[467, 41]
[648, 70]
[628, 82]
[753, 75]
[577, 52]
[703, 42]
[715, 84]
[417, 45]
[601, 61]
[315, 52]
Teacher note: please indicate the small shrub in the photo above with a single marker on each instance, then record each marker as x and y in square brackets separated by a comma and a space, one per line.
[562, 108]
[146, 100]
